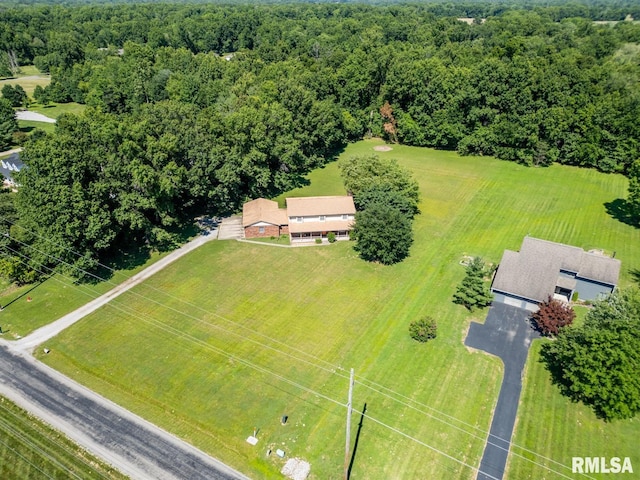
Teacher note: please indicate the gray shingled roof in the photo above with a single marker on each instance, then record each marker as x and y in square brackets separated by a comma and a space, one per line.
[599, 268]
[533, 272]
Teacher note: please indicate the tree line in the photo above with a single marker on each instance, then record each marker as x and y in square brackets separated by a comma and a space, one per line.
[197, 107]
[533, 86]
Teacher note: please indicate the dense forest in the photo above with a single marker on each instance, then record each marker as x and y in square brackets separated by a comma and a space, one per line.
[196, 108]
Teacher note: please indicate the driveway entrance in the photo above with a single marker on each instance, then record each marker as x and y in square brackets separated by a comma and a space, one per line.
[231, 228]
[506, 333]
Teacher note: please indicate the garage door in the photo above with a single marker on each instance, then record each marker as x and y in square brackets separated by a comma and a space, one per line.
[515, 302]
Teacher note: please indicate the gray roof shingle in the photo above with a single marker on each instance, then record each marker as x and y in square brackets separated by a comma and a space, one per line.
[532, 272]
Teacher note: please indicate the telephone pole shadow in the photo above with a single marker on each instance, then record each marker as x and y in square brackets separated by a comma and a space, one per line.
[355, 445]
[25, 293]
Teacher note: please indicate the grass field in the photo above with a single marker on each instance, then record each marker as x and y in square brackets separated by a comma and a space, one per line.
[235, 335]
[53, 298]
[54, 110]
[31, 449]
[29, 77]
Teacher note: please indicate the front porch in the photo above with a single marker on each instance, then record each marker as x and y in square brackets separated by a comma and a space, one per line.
[299, 237]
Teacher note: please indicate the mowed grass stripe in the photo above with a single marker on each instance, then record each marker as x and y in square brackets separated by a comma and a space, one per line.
[555, 427]
[29, 307]
[142, 381]
[327, 302]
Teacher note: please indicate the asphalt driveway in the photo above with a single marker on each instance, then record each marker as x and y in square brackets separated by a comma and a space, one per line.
[507, 334]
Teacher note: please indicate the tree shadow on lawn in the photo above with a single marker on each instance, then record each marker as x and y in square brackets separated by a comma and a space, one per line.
[635, 274]
[619, 209]
[127, 258]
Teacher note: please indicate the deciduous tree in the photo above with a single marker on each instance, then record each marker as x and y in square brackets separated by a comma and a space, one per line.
[553, 315]
[633, 199]
[385, 194]
[598, 363]
[382, 234]
[360, 173]
[15, 94]
[8, 123]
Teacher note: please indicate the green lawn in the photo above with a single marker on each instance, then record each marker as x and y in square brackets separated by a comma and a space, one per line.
[54, 110]
[31, 449]
[235, 335]
[28, 78]
[553, 427]
[28, 126]
[29, 307]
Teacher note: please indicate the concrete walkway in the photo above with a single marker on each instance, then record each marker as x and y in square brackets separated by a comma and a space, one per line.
[28, 343]
[506, 333]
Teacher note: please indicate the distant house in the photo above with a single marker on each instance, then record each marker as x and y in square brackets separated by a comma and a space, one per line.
[542, 269]
[9, 166]
[304, 218]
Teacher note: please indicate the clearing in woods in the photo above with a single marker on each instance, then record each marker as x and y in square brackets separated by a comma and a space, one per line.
[235, 335]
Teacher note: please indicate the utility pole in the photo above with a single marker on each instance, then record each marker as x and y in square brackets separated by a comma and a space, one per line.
[347, 447]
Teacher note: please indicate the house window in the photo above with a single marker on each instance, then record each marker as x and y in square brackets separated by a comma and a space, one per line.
[299, 219]
[345, 216]
[260, 229]
[322, 218]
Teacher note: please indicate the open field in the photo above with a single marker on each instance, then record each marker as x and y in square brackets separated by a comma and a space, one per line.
[31, 449]
[54, 110]
[235, 335]
[28, 78]
[54, 297]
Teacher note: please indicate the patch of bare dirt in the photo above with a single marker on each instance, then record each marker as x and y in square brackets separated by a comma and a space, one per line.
[382, 148]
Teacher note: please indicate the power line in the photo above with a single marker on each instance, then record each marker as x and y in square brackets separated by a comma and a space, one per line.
[25, 459]
[488, 442]
[375, 420]
[335, 369]
[190, 338]
[195, 340]
[43, 454]
[167, 294]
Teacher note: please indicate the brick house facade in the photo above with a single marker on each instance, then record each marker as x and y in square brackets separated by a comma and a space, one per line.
[304, 219]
